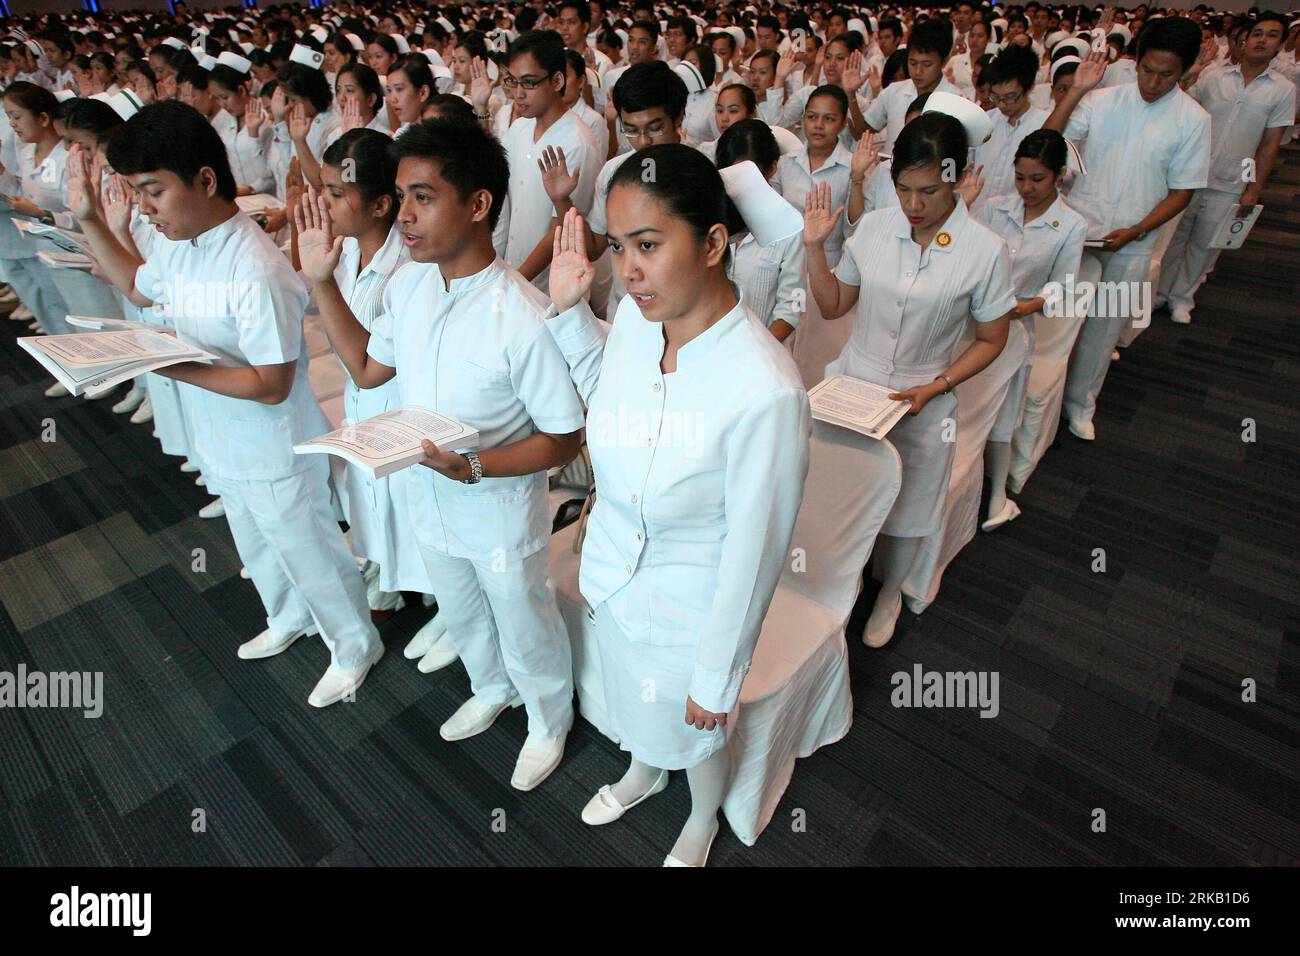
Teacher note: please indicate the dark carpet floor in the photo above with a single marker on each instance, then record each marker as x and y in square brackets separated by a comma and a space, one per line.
[1120, 690]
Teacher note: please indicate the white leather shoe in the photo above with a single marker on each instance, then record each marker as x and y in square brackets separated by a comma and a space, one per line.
[339, 682]
[143, 414]
[215, 508]
[538, 757]
[1181, 316]
[881, 623]
[671, 860]
[57, 390]
[1082, 429]
[201, 481]
[425, 638]
[1010, 511]
[189, 467]
[133, 400]
[439, 656]
[604, 806]
[243, 573]
[473, 717]
[271, 642]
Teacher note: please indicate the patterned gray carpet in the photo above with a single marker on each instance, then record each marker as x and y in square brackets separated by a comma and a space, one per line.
[1120, 691]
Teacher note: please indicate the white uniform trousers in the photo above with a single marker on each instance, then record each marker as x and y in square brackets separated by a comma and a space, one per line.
[295, 553]
[502, 618]
[1100, 333]
[1189, 258]
[34, 290]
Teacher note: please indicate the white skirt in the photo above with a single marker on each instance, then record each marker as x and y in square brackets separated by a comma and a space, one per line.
[646, 686]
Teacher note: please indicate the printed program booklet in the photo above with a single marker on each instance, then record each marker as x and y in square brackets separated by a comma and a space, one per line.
[857, 405]
[94, 362]
[391, 442]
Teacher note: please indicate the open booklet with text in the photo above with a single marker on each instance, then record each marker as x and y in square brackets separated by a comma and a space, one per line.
[391, 441]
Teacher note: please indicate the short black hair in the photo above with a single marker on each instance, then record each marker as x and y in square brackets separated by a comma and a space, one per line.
[647, 85]
[932, 36]
[1016, 63]
[747, 96]
[930, 140]
[748, 139]
[307, 82]
[580, 7]
[835, 93]
[468, 157]
[172, 136]
[546, 48]
[1047, 146]
[366, 78]
[194, 75]
[1176, 35]
[374, 164]
[649, 26]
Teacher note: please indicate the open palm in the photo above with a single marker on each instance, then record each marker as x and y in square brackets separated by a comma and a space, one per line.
[571, 272]
[318, 248]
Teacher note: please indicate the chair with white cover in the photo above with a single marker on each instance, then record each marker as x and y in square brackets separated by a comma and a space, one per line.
[1054, 337]
[795, 698]
[978, 400]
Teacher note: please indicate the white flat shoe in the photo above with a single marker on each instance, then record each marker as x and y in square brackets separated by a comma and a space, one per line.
[439, 656]
[473, 717]
[201, 481]
[671, 860]
[143, 414]
[243, 573]
[215, 508]
[881, 623]
[1083, 430]
[425, 638]
[57, 390]
[134, 399]
[1181, 316]
[271, 642]
[538, 757]
[1010, 511]
[189, 467]
[340, 682]
[604, 806]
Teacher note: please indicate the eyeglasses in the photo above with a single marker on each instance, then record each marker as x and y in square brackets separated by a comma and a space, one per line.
[1008, 99]
[649, 132]
[527, 82]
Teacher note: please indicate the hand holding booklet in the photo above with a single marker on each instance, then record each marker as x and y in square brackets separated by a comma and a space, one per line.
[391, 442]
[94, 362]
[857, 405]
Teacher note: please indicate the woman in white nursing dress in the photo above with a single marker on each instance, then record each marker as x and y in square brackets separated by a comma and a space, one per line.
[697, 502]
[362, 210]
[918, 274]
[1044, 238]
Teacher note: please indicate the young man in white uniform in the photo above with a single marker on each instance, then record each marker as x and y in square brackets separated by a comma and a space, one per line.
[537, 61]
[1010, 77]
[927, 52]
[1250, 107]
[1147, 150]
[228, 290]
[463, 332]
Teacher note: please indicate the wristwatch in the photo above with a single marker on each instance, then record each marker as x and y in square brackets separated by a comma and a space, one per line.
[475, 468]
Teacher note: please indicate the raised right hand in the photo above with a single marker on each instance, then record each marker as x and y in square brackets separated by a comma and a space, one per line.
[818, 219]
[318, 248]
[571, 272]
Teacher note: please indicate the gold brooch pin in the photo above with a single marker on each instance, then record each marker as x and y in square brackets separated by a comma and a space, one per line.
[943, 240]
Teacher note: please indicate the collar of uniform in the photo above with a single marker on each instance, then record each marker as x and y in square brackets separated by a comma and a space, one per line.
[205, 240]
[482, 277]
[698, 348]
[840, 155]
[385, 258]
[952, 227]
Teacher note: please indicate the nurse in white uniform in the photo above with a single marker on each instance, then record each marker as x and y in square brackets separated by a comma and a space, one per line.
[1146, 150]
[692, 524]
[227, 289]
[1044, 238]
[42, 158]
[918, 275]
[771, 277]
[312, 123]
[463, 333]
[825, 162]
[248, 147]
[362, 208]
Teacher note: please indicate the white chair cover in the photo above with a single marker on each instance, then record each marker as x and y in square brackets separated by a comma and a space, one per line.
[796, 696]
